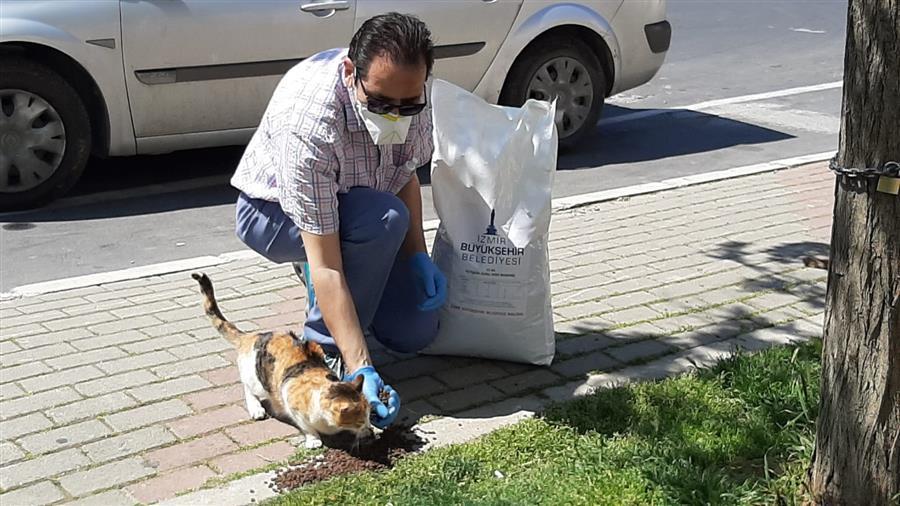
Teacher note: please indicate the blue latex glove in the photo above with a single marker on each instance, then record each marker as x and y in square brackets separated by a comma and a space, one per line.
[382, 416]
[431, 282]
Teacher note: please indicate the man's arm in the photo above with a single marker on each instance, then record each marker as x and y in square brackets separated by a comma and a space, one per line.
[411, 195]
[327, 271]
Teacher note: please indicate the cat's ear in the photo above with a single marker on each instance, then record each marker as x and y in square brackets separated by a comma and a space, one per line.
[313, 349]
[358, 383]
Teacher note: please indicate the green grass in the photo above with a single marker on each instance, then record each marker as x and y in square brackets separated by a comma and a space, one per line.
[741, 433]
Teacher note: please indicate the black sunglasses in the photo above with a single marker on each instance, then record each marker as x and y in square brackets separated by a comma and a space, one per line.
[377, 106]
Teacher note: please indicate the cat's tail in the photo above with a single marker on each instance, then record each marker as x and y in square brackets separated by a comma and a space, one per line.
[225, 327]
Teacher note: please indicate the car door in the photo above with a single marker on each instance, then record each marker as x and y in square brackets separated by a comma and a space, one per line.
[196, 66]
[467, 33]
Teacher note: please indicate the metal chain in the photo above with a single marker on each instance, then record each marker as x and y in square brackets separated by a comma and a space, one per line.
[890, 169]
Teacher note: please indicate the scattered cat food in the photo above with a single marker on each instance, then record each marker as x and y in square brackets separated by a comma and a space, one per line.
[381, 453]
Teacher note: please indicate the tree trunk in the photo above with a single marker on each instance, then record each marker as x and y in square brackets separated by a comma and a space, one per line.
[857, 456]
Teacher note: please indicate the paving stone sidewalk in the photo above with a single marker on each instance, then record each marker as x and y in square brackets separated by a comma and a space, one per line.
[123, 394]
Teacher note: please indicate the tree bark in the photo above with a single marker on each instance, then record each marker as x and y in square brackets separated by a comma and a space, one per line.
[857, 455]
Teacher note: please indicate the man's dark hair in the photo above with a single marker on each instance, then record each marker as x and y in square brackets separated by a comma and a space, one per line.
[403, 38]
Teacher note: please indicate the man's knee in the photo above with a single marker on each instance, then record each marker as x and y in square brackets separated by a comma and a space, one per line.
[405, 336]
[384, 217]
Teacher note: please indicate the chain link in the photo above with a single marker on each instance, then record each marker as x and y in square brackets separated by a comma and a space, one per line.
[890, 169]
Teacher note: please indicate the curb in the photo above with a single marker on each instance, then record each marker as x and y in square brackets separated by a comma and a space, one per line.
[560, 204]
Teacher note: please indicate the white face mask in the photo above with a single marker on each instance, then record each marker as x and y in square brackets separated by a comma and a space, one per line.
[384, 128]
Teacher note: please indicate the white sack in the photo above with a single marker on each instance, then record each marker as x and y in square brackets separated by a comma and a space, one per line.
[493, 162]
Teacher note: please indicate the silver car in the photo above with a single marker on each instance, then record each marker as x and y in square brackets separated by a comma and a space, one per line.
[126, 77]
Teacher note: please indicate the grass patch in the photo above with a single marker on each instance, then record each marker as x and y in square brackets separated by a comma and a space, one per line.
[740, 433]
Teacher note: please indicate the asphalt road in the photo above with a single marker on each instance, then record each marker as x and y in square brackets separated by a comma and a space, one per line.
[144, 210]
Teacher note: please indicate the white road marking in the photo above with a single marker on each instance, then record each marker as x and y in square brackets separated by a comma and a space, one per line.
[780, 116]
[559, 204]
[709, 104]
[806, 30]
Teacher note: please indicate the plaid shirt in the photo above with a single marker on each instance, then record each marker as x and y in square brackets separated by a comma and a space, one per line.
[312, 145]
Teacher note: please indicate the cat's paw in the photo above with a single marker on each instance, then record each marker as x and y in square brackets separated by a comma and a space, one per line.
[257, 412]
[312, 442]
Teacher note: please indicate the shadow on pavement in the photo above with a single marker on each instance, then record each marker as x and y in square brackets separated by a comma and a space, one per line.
[674, 133]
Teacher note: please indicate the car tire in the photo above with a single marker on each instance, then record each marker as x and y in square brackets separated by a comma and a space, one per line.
[587, 72]
[53, 147]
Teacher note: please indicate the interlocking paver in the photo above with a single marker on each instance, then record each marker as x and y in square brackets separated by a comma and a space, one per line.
[128, 443]
[209, 421]
[37, 402]
[63, 437]
[46, 338]
[38, 494]
[583, 344]
[40, 468]
[254, 433]
[8, 347]
[81, 321]
[228, 394]
[10, 390]
[148, 415]
[468, 397]
[23, 371]
[597, 361]
[476, 373]
[9, 452]
[137, 362]
[417, 388]
[530, 380]
[223, 376]
[169, 388]
[109, 498]
[91, 407]
[183, 454]
[105, 476]
[201, 348]
[85, 357]
[114, 383]
[168, 485]
[252, 459]
[632, 315]
[123, 325]
[157, 343]
[114, 339]
[58, 379]
[638, 351]
[145, 309]
[35, 354]
[96, 307]
[37, 317]
[194, 365]
[22, 425]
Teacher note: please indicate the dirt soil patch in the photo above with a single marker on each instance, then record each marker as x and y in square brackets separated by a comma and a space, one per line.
[379, 454]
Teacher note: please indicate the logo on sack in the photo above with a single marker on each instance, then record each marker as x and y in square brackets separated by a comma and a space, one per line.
[492, 230]
[491, 248]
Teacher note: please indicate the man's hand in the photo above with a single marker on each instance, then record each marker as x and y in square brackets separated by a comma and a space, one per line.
[383, 415]
[431, 282]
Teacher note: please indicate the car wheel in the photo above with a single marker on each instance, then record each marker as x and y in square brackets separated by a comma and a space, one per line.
[45, 134]
[564, 68]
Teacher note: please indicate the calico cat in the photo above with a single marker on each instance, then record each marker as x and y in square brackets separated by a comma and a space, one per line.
[285, 377]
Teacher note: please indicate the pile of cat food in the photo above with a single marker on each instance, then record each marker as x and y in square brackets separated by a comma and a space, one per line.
[376, 455]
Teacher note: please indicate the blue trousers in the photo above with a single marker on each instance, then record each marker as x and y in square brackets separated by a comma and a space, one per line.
[373, 226]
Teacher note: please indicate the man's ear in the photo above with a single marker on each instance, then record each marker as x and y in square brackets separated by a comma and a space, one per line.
[349, 68]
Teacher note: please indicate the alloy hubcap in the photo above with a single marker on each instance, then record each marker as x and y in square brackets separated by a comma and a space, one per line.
[567, 80]
[32, 141]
